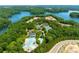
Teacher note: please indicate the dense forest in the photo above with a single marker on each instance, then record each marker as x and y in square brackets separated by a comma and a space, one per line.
[4, 22]
[6, 13]
[12, 40]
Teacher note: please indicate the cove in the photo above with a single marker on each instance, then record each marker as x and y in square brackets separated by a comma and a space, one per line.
[64, 15]
[30, 43]
[16, 17]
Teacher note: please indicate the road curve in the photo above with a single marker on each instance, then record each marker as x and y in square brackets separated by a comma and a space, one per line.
[56, 48]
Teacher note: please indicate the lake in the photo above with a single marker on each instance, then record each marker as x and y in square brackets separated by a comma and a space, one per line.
[17, 17]
[64, 15]
[30, 43]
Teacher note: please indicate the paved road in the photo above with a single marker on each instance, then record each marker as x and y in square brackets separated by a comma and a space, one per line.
[56, 48]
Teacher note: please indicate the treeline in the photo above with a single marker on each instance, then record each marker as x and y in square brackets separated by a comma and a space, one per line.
[55, 10]
[37, 11]
[74, 15]
[9, 11]
[4, 22]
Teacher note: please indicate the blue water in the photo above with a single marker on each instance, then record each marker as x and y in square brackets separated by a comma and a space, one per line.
[18, 17]
[15, 18]
[30, 42]
[65, 16]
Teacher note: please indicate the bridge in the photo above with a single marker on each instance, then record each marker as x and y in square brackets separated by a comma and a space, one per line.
[70, 11]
